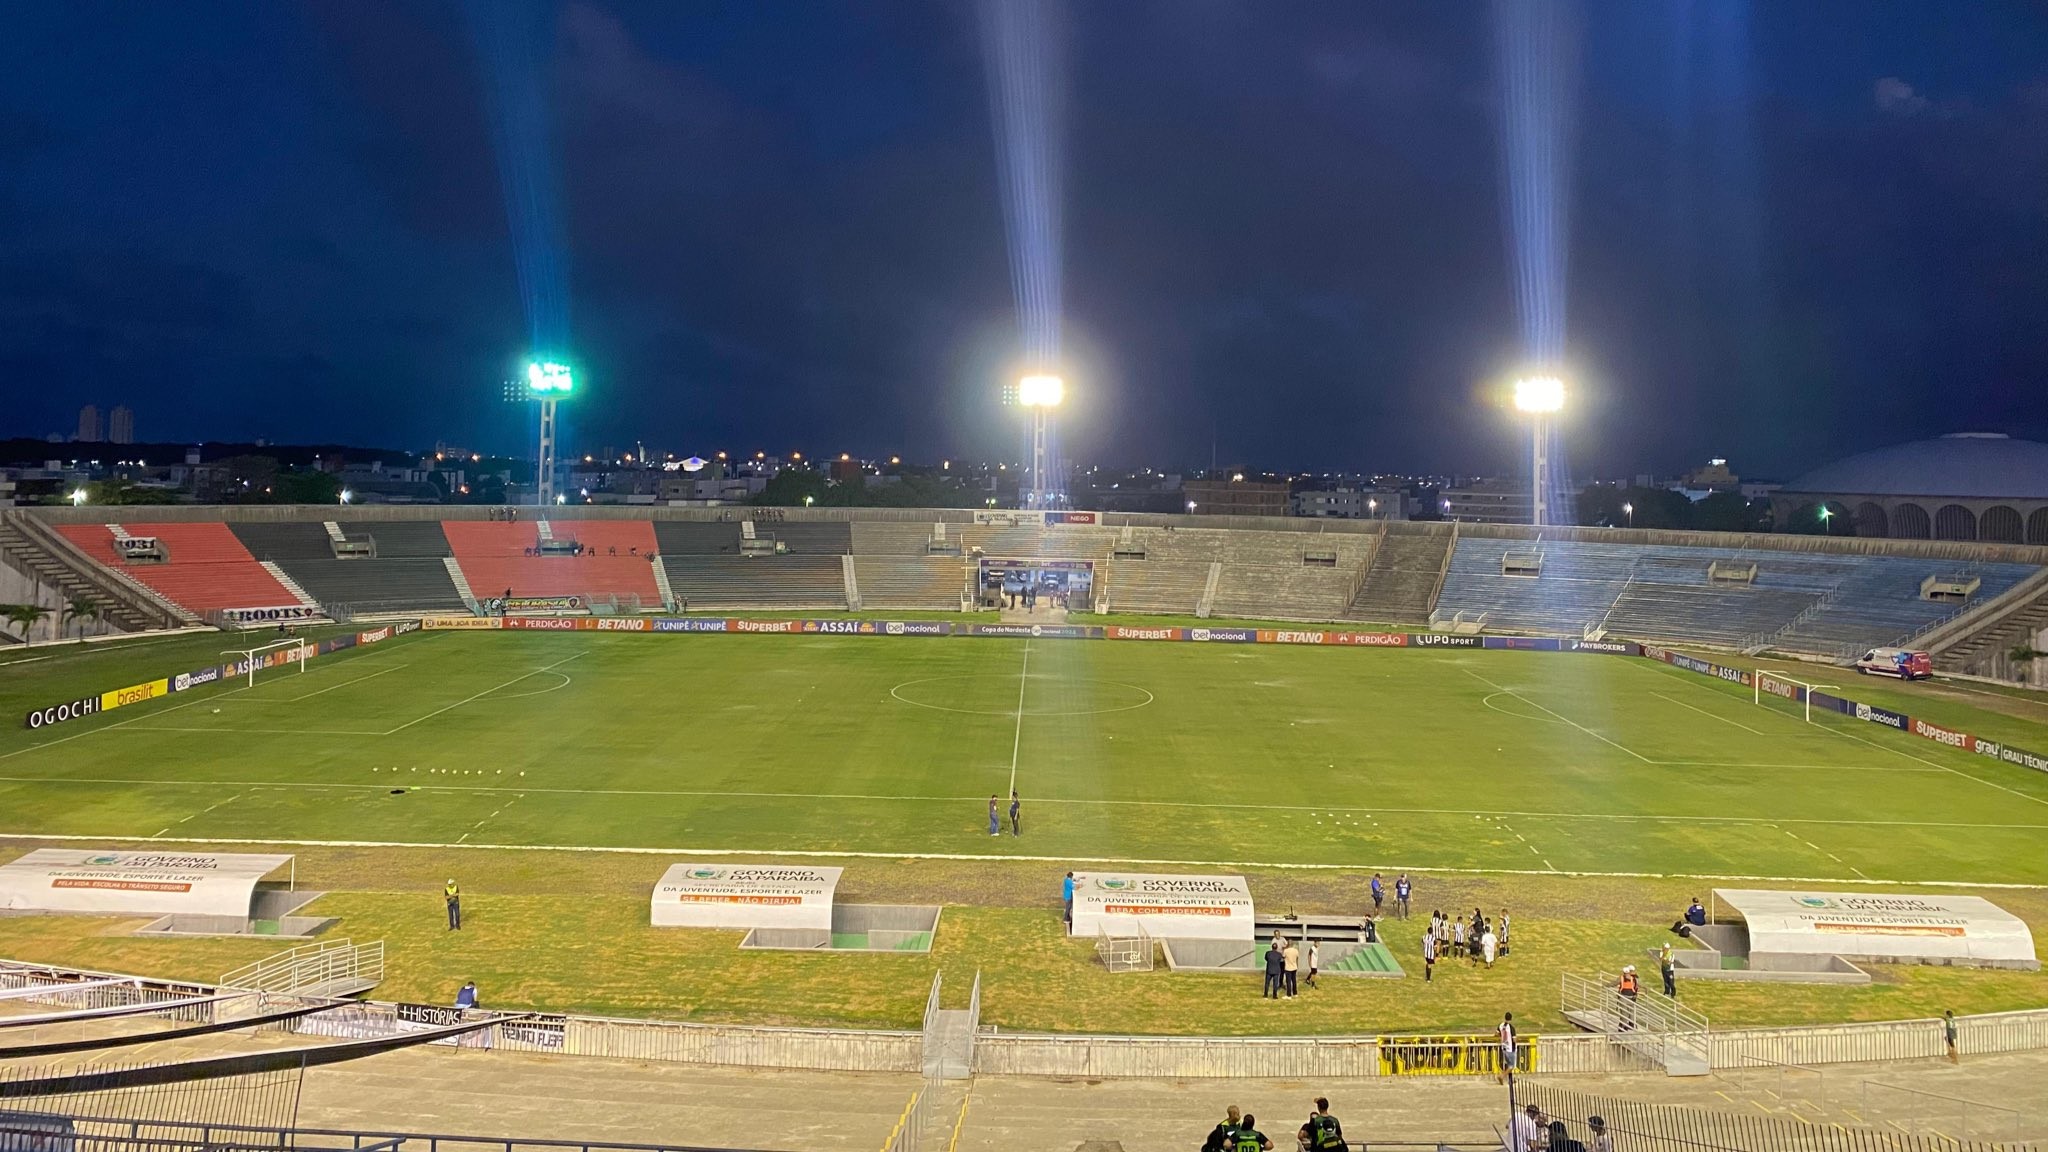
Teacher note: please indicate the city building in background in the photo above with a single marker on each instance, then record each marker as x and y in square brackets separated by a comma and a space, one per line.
[121, 425]
[1964, 486]
[89, 424]
[1235, 494]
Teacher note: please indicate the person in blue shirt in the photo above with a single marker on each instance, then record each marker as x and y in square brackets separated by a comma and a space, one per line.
[466, 997]
[995, 818]
[1401, 891]
[1067, 898]
[1379, 893]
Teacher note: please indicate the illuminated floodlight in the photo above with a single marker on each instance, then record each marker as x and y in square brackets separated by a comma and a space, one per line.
[1041, 391]
[347, 495]
[1539, 394]
[77, 496]
[547, 378]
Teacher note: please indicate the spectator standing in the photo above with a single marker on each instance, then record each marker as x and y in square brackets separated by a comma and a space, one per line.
[1948, 1034]
[452, 893]
[1522, 1129]
[1291, 959]
[1603, 1140]
[1276, 972]
[1379, 893]
[1249, 1138]
[1016, 806]
[1505, 1067]
[1067, 899]
[995, 818]
[1401, 890]
[1561, 1139]
[1630, 989]
[1223, 1137]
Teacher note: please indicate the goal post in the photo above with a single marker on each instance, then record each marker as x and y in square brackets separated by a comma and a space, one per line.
[248, 657]
[1787, 688]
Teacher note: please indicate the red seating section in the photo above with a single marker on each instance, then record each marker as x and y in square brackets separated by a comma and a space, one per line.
[207, 569]
[492, 556]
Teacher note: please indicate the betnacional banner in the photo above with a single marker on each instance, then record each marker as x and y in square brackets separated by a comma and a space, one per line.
[1882, 927]
[1174, 907]
[1884, 716]
[744, 896]
[151, 883]
[1224, 635]
[916, 628]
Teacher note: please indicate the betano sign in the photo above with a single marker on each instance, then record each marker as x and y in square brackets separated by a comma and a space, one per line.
[1896, 929]
[1175, 907]
[145, 883]
[744, 896]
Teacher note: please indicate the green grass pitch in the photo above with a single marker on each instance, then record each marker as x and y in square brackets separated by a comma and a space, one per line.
[1161, 755]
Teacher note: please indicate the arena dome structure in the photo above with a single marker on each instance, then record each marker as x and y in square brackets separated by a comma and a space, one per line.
[1981, 486]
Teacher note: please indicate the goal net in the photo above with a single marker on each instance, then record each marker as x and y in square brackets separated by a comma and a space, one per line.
[1788, 694]
[276, 654]
[1126, 950]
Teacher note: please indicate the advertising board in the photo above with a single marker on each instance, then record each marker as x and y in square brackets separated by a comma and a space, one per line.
[542, 603]
[691, 624]
[61, 713]
[1526, 643]
[1173, 907]
[1443, 640]
[135, 693]
[279, 614]
[1121, 632]
[453, 622]
[1456, 1055]
[1938, 929]
[744, 896]
[156, 883]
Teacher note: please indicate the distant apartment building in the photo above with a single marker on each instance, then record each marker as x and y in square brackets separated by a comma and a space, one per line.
[89, 424]
[1486, 502]
[1231, 496]
[1352, 504]
[121, 425]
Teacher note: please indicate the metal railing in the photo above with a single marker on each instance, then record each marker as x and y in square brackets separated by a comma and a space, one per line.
[121, 1135]
[1653, 1026]
[323, 966]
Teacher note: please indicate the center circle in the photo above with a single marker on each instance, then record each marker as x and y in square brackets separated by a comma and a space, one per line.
[998, 694]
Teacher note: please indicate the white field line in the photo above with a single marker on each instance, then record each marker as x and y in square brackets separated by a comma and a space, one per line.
[484, 693]
[1017, 739]
[1709, 715]
[1566, 719]
[329, 688]
[1823, 851]
[1121, 861]
[521, 789]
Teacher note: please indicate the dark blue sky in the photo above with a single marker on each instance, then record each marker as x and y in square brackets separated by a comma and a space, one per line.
[1798, 229]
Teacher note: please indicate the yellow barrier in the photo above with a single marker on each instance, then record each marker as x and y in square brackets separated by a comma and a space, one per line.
[1452, 1055]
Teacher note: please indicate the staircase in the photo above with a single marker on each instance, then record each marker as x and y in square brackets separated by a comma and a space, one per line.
[851, 581]
[460, 581]
[1652, 1026]
[1402, 581]
[1207, 603]
[28, 546]
[949, 1034]
[546, 530]
[334, 532]
[668, 594]
[334, 968]
[290, 585]
[1976, 642]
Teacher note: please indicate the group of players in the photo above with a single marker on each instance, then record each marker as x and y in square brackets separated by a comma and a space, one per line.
[1239, 1132]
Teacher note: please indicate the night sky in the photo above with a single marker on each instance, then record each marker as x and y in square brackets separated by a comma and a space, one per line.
[1798, 230]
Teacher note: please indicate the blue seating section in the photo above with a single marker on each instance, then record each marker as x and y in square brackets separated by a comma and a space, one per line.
[1659, 592]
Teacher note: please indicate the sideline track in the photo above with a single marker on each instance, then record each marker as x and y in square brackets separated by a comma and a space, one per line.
[982, 857]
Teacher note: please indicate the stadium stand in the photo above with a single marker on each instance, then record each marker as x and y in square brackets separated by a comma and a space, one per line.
[1168, 587]
[931, 583]
[45, 557]
[832, 538]
[400, 538]
[894, 537]
[617, 560]
[792, 581]
[370, 584]
[206, 567]
[1400, 583]
[697, 537]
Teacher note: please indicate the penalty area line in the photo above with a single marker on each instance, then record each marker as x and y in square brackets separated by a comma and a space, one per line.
[977, 857]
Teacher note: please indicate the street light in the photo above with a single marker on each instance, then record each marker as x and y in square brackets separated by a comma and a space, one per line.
[77, 497]
[1827, 515]
[1191, 507]
[1629, 510]
[808, 500]
[1542, 397]
[347, 496]
[1372, 509]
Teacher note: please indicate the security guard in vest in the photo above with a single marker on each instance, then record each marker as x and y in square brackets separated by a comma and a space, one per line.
[1250, 1139]
[1630, 989]
[454, 896]
[1322, 1133]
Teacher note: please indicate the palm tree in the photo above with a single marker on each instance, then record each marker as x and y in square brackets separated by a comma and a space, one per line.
[24, 617]
[83, 608]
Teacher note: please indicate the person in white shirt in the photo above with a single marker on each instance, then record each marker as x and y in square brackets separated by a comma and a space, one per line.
[1522, 1130]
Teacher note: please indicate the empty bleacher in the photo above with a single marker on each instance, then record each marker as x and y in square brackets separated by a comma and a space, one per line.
[892, 537]
[1877, 601]
[783, 582]
[1400, 578]
[207, 567]
[401, 538]
[1283, 591]
[383, 583]
[1064, 541]
[496, 556]
[930, 583]
[697, 537]
[282, 541]
[1168, 587]
[827, 538]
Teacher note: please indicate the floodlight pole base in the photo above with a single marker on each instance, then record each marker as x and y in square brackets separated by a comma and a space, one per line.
[544, 481]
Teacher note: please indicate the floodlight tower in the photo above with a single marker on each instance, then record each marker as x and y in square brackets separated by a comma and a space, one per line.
[1541, 397]
[547, 382]
[1040, 393]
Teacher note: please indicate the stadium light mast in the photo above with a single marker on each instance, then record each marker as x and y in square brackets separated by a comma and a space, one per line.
[1040, 393]
[548, 382]
[1541, 397]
